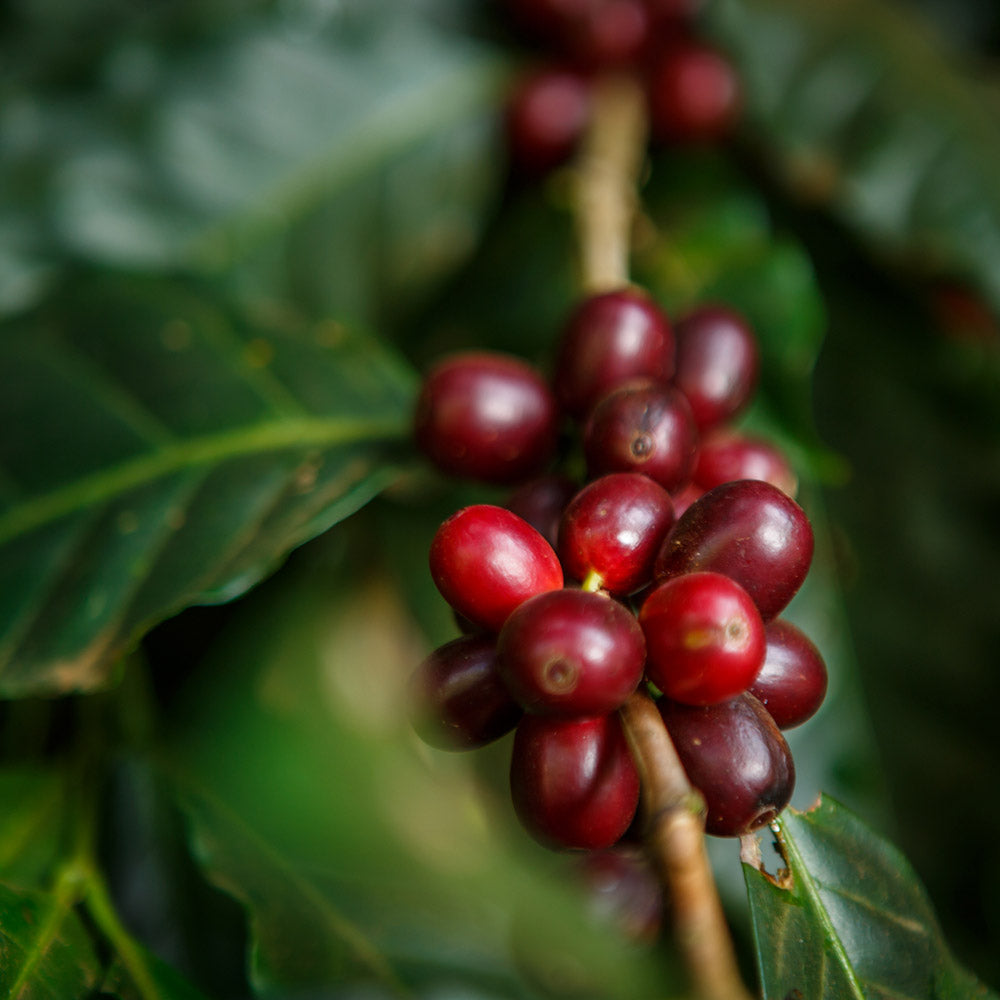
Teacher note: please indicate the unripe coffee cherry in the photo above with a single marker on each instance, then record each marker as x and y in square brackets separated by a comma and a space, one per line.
[614, 528]
[457, 700]
[486, 561]
[717, 363]
[486, 416]
[610, 339]
[749, 531]
[572, 781]
[704, 638]
[792, 682]
[571, 652]
[642, 427]
[736, 757]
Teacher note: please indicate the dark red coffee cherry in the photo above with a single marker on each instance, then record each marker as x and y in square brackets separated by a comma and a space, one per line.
[608, 340]
[457, 700]
[717, 363]
[726, 455]
[572, 781]
[486, 561]
[747, 530]
[541, 503]
[685, 496]
[642, 427]
[736, 757]
[704, 638]
[792, 682]
[486, 416]
[624, 890]
[694, 94]
[571, 652]
[613, 529]
[546, 116]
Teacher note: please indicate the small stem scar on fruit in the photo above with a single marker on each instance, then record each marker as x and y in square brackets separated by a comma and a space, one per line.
[607, 172]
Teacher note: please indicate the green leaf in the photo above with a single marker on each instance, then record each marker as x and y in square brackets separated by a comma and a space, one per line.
[848, 917]
[342, 156]
[45, 952]
[167, 982]
[859, 107]
[168, 452]
[32, 802]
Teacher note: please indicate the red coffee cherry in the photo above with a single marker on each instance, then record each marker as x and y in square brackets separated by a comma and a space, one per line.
[457, 700]
[694, 94]
[541, 503]
[704, 638]
[749, 531]
[736, 757]
[486, 416]
[486, 561]
[608, 340]
[624, 890]
[717, 363]
[792, 682]
[642, 427]
[614, 528]
[571, 652]
[572, 781]
[726, 455]
[546, 116]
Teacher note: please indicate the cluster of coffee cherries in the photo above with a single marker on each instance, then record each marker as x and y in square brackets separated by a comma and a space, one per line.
[692, 89]
[662, 567]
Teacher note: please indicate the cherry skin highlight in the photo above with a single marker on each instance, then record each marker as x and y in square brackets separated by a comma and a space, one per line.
[642, 427]
[792, 682]
[457, 700]
[704, 638]
[571, 653]
[736, 757]
[486, 561]
[609, 339]
[749, 531]
[486, 416]
[572, 781]
[614, 528]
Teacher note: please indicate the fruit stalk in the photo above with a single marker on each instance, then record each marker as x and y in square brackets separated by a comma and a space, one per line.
[675, 839]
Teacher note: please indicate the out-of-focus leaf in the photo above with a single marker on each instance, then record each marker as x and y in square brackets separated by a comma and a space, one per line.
[45, 952]
[860, 108]
[168, 452]
[342, 153]
[848, 918]
[395, 853]
[31, 834]
[167, 981]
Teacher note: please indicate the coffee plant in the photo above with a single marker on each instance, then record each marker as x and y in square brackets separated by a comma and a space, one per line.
[498, 499]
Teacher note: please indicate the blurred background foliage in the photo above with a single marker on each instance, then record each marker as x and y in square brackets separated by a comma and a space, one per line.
[318, 189]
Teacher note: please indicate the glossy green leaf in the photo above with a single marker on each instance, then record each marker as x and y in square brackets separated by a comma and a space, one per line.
[862, 109]
[45, 952]
[168, 452]
[342, 155]
[848, 917]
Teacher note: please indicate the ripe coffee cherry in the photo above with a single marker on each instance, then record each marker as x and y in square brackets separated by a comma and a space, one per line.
[694, 94]
[725, 456]
[614, 528]
[571, 652]
[792, 682]
[572, 781]
[717, 363]
[457, 700]
[704, 638]
[486, 416]
[736, 757]
[610, 339]
[624, 890]
[541, 503]
[546, 116]
[486, 561]
[747, 530]
[642, 427]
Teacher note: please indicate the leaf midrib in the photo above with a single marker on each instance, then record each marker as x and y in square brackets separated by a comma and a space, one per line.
[114, 480]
